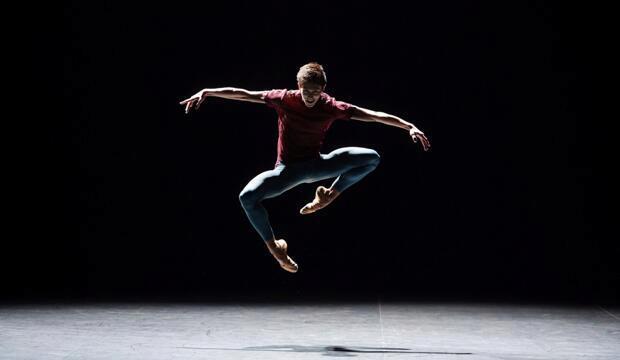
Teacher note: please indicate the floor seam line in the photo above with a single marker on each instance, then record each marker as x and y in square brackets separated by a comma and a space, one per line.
[608, 313]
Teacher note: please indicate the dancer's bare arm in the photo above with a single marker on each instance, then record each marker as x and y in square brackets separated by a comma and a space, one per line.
[362, 114]
[224, 92]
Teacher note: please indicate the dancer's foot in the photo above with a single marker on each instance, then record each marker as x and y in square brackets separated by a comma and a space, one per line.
[278, 248]
[322, 198]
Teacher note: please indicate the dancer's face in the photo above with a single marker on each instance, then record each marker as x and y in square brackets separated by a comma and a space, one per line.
[310, 93]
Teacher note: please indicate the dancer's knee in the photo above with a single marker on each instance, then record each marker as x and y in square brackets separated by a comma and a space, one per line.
[249, 198]
[374, 158]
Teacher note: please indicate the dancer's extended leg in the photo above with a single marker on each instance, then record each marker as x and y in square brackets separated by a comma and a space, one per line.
[267, 185]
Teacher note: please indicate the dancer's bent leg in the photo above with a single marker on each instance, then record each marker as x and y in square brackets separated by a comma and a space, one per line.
[352, 164]
[349, 165]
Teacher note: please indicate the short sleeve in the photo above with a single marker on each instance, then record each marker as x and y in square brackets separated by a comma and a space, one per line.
[274, 98]
[343, 110]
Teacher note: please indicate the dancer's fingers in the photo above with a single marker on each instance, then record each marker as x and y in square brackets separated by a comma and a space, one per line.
[188, 106]
[185, 101]
[202, 99]
[421, 138]
[425, 143]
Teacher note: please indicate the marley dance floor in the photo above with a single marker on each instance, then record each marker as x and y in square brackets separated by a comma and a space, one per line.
[363, 330]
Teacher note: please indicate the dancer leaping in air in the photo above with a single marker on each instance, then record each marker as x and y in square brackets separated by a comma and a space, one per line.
[304, 116]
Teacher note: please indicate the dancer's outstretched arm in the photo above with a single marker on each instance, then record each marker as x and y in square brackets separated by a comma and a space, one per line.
[223, 92]
[362, 114]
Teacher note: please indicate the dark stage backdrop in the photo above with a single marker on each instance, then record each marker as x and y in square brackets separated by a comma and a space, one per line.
[124, 194]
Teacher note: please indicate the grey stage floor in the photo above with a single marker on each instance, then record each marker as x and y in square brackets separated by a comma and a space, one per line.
[379, 330]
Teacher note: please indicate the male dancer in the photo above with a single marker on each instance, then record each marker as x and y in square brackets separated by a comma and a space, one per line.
[304, 116]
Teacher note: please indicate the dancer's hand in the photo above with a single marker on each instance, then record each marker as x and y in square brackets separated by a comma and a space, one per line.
[418, 135]
[196, 99]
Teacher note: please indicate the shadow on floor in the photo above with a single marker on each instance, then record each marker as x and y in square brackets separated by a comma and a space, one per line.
[334, 351]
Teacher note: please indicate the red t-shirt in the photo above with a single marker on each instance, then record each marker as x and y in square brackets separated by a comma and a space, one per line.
[301, 129]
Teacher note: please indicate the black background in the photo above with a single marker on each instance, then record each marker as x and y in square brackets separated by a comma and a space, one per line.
[124, 195]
